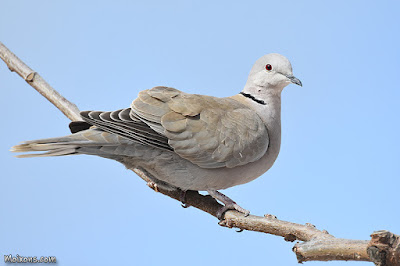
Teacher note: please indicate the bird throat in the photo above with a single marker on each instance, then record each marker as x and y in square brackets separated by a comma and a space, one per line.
[247, 95]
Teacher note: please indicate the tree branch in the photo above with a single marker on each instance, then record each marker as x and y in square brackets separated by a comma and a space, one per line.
[69, 109]
[331, 249]
[317, 245]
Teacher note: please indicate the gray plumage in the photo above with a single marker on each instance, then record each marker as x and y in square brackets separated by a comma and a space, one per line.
[189, 141]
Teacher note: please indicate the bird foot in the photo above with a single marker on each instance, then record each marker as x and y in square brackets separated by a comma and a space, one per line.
[153, 186]
[229, 204]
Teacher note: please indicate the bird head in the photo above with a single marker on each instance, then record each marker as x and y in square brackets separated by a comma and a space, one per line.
[272, 71]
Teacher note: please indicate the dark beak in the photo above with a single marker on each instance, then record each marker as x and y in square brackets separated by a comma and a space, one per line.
[295, 80]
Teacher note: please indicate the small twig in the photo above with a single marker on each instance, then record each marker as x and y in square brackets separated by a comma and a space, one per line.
[383, 249]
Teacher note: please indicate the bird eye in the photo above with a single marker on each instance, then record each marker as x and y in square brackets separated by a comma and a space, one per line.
[268, 67]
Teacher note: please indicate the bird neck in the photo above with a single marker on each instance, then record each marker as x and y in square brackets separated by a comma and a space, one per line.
[265, 101]
[267, 104]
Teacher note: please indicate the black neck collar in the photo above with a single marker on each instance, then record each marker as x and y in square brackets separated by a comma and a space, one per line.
[253, 98]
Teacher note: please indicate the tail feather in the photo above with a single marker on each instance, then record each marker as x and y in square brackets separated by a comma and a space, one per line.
[67, 145]
[55, 152]
[49, 149]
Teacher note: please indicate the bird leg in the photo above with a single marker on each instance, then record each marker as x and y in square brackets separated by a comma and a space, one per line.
[229, 204]
[182, 198]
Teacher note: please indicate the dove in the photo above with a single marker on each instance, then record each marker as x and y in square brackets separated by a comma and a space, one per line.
[187, 141]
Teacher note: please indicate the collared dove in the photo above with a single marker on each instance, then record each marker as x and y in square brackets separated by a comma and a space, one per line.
[188, 141]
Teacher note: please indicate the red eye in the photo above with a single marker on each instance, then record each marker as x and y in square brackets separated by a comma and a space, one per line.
[268, 67]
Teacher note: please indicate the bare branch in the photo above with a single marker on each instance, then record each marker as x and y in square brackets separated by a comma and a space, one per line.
[331, 249]
[383, 249]
[271, 225]
[69, 109]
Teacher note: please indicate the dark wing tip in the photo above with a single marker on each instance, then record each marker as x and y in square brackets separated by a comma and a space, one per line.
[77, 126]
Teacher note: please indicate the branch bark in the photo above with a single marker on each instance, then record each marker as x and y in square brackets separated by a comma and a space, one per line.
[316, 245]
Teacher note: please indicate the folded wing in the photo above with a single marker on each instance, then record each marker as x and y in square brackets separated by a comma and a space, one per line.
[208, 131]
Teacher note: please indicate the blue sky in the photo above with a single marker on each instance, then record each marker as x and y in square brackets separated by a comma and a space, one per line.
[339, 163]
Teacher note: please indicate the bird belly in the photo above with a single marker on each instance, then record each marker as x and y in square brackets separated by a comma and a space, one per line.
[178, 172]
